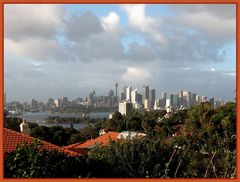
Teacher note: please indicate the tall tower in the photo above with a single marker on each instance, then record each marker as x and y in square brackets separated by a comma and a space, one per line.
[145, 93]
[116, 85]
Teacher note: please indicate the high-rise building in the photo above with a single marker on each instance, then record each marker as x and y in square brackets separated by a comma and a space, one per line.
[134, 96]
[174, 101]
[181, 97]
[128, 95]
[164, 95]
[204, 99]
[146, 104]
[64, 102]
[219, 103]
[116, 96]
[34, 105]
[125, 107]
[139, 98]
[211, 100]
[193, 99]
[111, 93]
[187, 99]
[123, 96]
[152, 98]
[91, 99]
[145, 93]
[198, 99]
[58, 102]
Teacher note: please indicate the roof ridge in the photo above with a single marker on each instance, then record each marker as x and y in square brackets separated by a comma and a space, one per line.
[44, 143]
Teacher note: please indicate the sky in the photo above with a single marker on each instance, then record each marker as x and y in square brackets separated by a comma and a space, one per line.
[51, 51]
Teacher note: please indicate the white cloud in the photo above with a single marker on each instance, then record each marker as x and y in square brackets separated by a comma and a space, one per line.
[209, 20]
[24, 21]
[111, 21]
[136, 75]
[146, 24]
[233, 74]
[212, 69]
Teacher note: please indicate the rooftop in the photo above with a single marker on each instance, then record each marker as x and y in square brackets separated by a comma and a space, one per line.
[12, 139]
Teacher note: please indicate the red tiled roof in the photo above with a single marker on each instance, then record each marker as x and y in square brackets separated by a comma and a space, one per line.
[86, 146]
[11, 139]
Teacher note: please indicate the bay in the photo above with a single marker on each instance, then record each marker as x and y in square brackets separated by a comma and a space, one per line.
[39, 117]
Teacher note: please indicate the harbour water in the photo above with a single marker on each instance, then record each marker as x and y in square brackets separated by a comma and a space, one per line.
[39, 117]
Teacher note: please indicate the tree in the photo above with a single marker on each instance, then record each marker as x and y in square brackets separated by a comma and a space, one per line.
[31, 161]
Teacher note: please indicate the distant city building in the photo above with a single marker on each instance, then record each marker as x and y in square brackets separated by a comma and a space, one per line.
[187, 99]
[116, 93]
[128, 95]
[204, 99]
[139, 98]
[34, 105]
[146, 104]
[145, 93]
[152, 98]
[125, 107]
[211, 100]
[64, 102]
[198, 99]
[91, 98]
[181, 97]
[122, 96]
[219, 103]
[159, 104]
[134, 96]
[164, 95]
[193, 99]
[174, 100]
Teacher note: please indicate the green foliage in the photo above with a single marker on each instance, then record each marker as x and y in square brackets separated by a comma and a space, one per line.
[13, 123]
[199, 142]
[31, 161]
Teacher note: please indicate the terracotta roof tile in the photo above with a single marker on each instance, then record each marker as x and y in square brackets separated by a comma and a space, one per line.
[85, 146]
[11, 139]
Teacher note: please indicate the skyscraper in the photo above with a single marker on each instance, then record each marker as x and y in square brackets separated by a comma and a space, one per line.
[164, 95]
[152, 97]
[128, 95]
[116, 96]
[174, 101]
[125, 107]
[145, 93]
[134, 96]
[211, 100]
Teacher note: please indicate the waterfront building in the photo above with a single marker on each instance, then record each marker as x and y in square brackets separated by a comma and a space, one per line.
[34, 105]
[125, 107]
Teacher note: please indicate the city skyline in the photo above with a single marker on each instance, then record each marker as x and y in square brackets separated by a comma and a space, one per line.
[169, 47]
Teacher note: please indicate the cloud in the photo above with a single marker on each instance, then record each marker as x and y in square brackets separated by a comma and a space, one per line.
[71, 55]
[81, 26]
[216, 21]
[136, 75]
[36, 21]
[36, 48]
[110, 22]
[146, 24]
